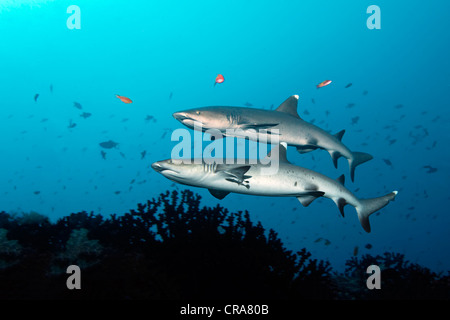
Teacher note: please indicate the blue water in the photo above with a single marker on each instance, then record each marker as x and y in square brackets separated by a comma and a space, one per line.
[165, 55]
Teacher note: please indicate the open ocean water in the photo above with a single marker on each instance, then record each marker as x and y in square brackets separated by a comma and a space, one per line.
[390, 91]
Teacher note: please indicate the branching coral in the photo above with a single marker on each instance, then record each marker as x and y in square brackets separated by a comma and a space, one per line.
[171, 247]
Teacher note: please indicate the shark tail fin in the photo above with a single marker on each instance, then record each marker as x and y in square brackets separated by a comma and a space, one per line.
[368, 206]
[357, 159]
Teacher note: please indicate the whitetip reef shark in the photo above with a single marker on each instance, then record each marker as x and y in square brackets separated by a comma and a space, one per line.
[289, 181]
[291, 128]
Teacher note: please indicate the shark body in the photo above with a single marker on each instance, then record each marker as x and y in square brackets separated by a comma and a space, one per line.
[289, 181]
[259, 124]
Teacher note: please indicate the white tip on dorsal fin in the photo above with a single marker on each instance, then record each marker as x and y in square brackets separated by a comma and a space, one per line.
[289, 106]
[279, 150]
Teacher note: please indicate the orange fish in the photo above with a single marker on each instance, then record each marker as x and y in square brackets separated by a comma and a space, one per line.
[124, 99]
[323, 84]
[219, 79]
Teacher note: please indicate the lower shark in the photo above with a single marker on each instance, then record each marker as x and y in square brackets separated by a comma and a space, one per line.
[290, 127]
[289, 181]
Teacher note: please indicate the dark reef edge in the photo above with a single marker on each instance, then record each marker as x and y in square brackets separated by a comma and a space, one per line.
[171, 248]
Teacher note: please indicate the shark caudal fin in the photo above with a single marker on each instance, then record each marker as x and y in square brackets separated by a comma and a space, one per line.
[357, 159]
[368, 206]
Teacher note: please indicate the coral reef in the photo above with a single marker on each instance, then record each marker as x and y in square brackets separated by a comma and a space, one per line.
[172, 248]
[400, 279]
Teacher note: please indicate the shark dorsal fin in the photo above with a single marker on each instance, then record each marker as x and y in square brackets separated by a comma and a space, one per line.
[281, 151]
[339, 135]
[289, 106]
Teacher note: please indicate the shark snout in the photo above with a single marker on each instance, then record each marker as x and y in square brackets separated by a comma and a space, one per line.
[180, 116]
[157, 166]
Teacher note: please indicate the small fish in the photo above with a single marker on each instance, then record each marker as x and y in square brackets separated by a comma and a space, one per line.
[122, 154]
[108, 144]
[398, 106]
[348, 85]
[392, 141]
[219, 79]
[323, 84]
[116, 192]
[388, 162]
[72, 124]
[306, 112]
[355, 251]
[36, 192]
[170, 95]
[103, 153]
[313, 101]
[77, 105]
[124, 99]
[368, 246]
[51, 88]
[430, 169]
[248, 104]
[350, 105]
[365, 92]
[143, 153]
[355, 120]
[36, 96]
[85, 115]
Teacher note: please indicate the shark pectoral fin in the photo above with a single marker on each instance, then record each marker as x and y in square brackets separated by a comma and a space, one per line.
[339, 135]
[239, 172]
[236, 174]
[306, 148]
[289, 106]
[306, 199]
[273, 133]
[257, 126]
[218, 193]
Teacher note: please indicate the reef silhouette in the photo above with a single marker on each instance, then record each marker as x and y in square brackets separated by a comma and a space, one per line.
[172, 248]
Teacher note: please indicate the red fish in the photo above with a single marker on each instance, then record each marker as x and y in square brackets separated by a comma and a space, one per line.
[219, 79]
[124, 99]
[323, 84]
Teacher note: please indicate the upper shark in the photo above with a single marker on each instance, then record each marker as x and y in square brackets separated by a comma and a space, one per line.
[289, 181]
[291, 129]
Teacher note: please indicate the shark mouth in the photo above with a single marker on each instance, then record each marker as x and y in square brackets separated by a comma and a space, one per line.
[185, 119]
[159, 168]
[181, 116]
